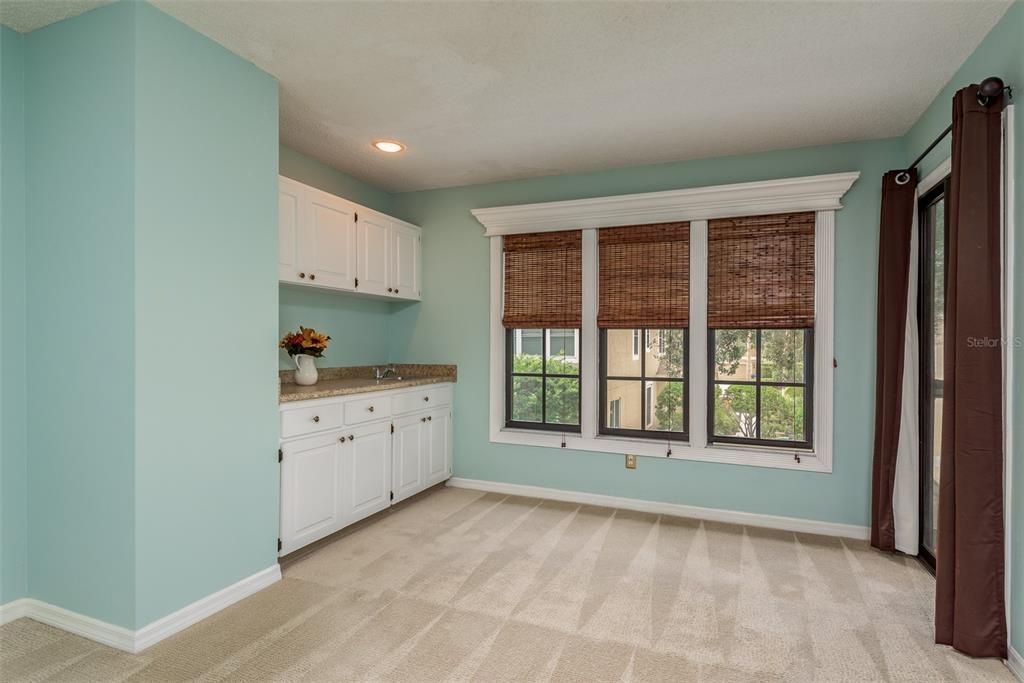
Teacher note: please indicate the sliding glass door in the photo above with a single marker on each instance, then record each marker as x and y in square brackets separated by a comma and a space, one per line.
[931, 318]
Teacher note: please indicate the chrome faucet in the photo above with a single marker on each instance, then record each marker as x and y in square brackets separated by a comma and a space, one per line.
[389, 371]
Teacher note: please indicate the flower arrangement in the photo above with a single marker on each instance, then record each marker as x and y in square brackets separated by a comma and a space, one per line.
[306, 341]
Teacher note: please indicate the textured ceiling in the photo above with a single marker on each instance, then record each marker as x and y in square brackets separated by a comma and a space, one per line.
[28, 15]
[484, 91]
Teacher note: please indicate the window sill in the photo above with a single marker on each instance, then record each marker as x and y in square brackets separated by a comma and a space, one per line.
[753, 456]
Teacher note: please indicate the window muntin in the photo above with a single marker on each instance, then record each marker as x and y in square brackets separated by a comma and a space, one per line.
[543, 380]
[645, 394]
[760, 387]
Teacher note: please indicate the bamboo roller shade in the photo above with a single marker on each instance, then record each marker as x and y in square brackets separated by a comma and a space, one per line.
[761, 272]
[543, 280]
[644, 273]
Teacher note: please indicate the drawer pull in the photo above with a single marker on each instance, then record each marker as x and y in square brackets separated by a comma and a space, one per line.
[316, 418]
[370, 409]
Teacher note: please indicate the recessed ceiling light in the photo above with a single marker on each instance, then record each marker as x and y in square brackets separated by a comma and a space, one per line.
[389, 146]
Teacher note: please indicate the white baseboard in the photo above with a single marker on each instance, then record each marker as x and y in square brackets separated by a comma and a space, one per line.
[156, 631]
[1016, 663]
[673, 509]
[15, 609]
[115, 636]
[137, 641]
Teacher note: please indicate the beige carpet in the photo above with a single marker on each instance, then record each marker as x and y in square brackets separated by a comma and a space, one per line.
[461, 585]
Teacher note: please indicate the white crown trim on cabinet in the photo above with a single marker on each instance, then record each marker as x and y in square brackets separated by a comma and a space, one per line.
[794, 524]
[136, 641]
[786, 195]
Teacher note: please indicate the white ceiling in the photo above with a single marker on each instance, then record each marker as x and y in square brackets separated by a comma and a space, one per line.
[485, 91]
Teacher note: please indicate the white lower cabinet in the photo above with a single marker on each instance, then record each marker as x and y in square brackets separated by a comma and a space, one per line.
[311, 491]
[341, 474]
[408, 456]
[369, 470]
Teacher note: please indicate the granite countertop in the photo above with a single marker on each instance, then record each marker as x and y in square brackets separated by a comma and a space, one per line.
[360, 380]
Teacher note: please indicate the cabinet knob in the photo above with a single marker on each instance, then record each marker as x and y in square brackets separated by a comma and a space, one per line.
[312, 276]
[396, 290]
[351, 438]
[426, 398]
[430, 417]
[423, 419]
[302, 275]
[389, 289]
[316, 418]
[370, 409]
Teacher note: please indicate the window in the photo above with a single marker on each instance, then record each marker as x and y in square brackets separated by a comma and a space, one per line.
[643, 312]
[760, 320]
[542, 311]
[760, 391]
[543, 382]
[708, 340]
[648, 394]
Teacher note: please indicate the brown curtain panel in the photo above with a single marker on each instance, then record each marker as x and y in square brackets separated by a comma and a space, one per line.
[644, 276]
[761, 272]
[898, 207]
[543, 280]
[969, 600]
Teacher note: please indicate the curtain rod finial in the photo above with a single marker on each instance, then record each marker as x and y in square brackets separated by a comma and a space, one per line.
[991, 87]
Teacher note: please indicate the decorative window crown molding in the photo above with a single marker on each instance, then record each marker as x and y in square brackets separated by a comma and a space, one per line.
[787, 195]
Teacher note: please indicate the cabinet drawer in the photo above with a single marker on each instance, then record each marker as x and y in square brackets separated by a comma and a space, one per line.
[367, 409]
[422, 399]
[298, 421]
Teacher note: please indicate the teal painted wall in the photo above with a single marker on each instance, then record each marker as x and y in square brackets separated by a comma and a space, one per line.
[1000, 54]
[298, 166]
[206, 479]
[13, 439]
[360, 329]
[81, 298]
[451, 325]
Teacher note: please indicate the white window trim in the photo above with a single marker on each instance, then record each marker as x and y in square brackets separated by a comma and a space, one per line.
[821, 194]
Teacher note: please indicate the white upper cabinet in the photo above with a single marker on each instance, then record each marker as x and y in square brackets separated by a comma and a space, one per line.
[404, 245]
[290, 201]
[329, 242]
[372, 243]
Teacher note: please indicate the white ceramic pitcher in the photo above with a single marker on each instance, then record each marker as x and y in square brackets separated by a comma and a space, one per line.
[305, 369]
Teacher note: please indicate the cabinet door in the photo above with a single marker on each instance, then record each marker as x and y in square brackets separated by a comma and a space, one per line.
[291, 200]
[311, 499]
[405, 261]
[328, 242]
[408, 455]
[437, 447]
[369, 473]
[372, 262]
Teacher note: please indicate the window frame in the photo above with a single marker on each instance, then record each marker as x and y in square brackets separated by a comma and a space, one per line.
[820, 194]
[807, 385]
[512, 347]
[646, 383]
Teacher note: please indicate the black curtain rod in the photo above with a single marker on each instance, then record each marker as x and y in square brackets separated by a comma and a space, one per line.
[989, 88]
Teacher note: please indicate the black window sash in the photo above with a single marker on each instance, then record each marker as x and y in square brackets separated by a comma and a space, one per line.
[544, 425]
[643, 432]
[807, 385]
